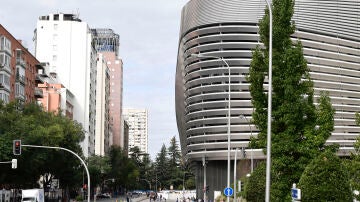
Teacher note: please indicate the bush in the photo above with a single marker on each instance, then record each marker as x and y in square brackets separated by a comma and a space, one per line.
[325, 179]
[79, 198]
[255, 186]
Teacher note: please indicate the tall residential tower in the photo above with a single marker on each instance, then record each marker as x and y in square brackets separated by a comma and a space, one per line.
[106, 42]
[65, 42]
[137, 119]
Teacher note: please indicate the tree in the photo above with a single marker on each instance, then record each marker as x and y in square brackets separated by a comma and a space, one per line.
[325, 179]
[255, 185]
[176, 175]
[353, 163]
[161, 167]
[295, 140]
[123, 169]
[34, 126]
[99, 169]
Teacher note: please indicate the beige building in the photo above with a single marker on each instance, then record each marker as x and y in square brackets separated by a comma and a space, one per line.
[102, 125]
[137, 119]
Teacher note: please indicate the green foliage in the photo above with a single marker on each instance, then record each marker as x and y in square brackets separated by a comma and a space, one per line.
[353, 163]
[353, 167]
[295, 138]
[123, 169]
[325, 179]
[162, 167]
[99, 167]
[35, 127]
[255, 185]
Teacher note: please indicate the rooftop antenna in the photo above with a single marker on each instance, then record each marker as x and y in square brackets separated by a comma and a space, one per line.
[77, 13]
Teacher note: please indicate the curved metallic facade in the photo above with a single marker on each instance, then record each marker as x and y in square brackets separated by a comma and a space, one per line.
[330, 34]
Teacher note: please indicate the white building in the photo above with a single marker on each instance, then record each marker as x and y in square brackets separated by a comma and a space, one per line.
[64, 41]
[137, 120]
[102, 131]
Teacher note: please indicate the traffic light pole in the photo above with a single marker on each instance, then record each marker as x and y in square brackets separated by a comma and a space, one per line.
[82, 161]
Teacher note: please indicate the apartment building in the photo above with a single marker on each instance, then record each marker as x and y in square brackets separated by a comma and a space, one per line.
[65, 42]
[18, 70]
[137, 120]
[106, 42]
[102, 131]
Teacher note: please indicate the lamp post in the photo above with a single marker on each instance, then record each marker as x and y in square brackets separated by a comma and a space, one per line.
[204, 165]
[268, 146]
[251, 154]
[229, 101]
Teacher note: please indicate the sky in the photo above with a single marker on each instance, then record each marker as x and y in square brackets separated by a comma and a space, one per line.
[149, 34]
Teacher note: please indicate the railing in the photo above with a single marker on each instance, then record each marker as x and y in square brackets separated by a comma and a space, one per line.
[20, 61]
[20, 78]
[38, 93]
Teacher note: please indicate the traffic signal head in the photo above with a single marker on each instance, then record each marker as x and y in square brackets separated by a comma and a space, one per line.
[14, 163]
[17, 147]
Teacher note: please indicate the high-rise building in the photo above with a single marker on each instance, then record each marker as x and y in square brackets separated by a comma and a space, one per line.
[102, 131]
[106, 42]
[18, 70]
[65, 42]
[329, 32]
[137, 120]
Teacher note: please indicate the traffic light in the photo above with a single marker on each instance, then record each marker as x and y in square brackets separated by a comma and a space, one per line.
[207, 188]
[17, 147]
[14, 163]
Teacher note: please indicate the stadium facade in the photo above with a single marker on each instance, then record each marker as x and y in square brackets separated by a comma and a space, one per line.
[330, 34]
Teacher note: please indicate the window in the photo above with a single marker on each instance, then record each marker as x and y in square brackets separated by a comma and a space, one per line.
[5, 44]
[55, 26]
[54, 57]
[4, 60]
[5, 79]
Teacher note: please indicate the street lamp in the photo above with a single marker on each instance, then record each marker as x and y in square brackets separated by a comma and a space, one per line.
[251, 154]
[204, 165]
[268, 146]
[229, 101]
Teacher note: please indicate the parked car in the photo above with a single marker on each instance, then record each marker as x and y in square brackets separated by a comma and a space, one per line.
[103, 195]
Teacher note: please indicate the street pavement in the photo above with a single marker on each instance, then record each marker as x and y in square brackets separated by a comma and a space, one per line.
[133, 199]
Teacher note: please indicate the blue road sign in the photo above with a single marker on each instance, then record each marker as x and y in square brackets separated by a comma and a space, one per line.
[228, 191]
[296, 193]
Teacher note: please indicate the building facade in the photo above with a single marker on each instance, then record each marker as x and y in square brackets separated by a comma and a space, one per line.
[329, 32]
[137, 120]
[102, 131]
[18, 70]
[65, 42]
[107, 43]
[55, 98]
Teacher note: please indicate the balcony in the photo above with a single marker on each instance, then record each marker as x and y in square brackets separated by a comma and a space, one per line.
[38, 93]
[20, 97]
[4, 87]
[5, 45]
[21, 62]
[5, 67]
[20, 78]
